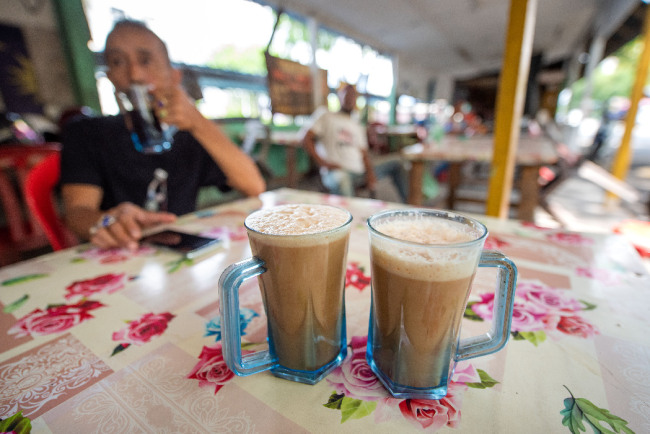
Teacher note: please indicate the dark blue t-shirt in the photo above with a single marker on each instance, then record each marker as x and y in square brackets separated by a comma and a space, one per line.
[99, 151]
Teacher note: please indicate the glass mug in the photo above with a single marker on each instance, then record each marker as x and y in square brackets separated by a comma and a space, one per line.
[300, 256]
[148, 134]
[423, 263]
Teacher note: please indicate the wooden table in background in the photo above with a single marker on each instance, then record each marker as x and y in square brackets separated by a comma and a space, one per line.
[532, 153]
[398, 135]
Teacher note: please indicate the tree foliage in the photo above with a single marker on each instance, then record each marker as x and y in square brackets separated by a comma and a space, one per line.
[607, 83]
[250, 60]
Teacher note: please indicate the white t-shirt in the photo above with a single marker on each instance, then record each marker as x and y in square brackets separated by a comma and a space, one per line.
[342, 140]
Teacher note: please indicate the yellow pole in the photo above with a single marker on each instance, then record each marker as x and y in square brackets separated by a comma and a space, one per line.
[510, 103]
[623, 156]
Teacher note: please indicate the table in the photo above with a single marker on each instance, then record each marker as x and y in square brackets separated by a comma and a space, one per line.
[532, 153]
[401, 133]
[130, 342]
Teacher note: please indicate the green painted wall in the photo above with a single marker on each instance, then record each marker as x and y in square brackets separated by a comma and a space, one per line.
[75, 35]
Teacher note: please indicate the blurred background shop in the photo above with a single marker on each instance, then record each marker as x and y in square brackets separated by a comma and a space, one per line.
[423, 72]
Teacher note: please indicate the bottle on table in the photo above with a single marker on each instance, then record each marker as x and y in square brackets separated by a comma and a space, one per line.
[157, 192]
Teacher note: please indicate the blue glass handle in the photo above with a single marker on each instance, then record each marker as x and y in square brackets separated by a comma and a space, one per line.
[229, 283]
[497, 337]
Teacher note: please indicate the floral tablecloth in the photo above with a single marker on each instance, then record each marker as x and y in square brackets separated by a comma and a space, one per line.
[118, 341]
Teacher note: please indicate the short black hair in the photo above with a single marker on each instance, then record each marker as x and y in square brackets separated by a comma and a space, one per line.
[138, 25]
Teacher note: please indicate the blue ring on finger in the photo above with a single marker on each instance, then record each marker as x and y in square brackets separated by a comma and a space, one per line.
[106, 221]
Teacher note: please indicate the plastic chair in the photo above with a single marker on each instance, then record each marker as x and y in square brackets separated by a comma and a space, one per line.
[38, 190]
[20, 233]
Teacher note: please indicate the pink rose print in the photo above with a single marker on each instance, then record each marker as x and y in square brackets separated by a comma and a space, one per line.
[54, 319]
[576, 326]
[354, 378]
[525, 318]
[354, 276]
[211, 370]
[114, 259]
[494, 243]
[534, 226]
[233, 212]
[547, 299]
[465, 372]
[570, 239]
[106, 283]
[606, 277]
[227, 233]
[434, 414]
[540, 308]
[114, 255]
[141, 331]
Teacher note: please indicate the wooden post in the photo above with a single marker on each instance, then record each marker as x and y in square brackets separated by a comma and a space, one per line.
[621, 163]
[510, 103]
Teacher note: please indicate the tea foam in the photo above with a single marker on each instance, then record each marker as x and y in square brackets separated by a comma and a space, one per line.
[431, 254]
[287, 221]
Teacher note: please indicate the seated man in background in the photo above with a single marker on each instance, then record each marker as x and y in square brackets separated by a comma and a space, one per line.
[105, 179]
[342, 154]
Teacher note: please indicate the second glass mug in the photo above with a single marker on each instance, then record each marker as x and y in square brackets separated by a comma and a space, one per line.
[300, 256]
[423, 264]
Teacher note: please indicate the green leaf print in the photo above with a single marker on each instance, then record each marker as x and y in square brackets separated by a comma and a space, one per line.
[177, 264]
[579, 410]
[335, 401]
[470, 314]
[356, 408]
[16, 423]
[516, 336]
[588, 306]
[350, 408]
[118, 349]
[535, 338]
[249, 345]
[486, 381]
[16, 304]
[22, 279]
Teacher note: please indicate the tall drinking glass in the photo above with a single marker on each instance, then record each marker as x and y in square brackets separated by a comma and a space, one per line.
[300, 256]
[423, 264]
[148, 134]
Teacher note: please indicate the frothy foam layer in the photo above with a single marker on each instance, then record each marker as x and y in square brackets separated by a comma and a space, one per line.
[436, 259]
[301, 219]
[424, 230]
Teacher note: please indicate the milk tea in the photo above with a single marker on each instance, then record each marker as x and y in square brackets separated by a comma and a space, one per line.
[304, 248]
[420, 289]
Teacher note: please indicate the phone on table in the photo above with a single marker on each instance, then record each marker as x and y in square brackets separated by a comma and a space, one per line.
[189, 245]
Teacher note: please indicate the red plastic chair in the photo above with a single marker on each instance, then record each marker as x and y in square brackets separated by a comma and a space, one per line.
[20, 233]
[38, 190]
